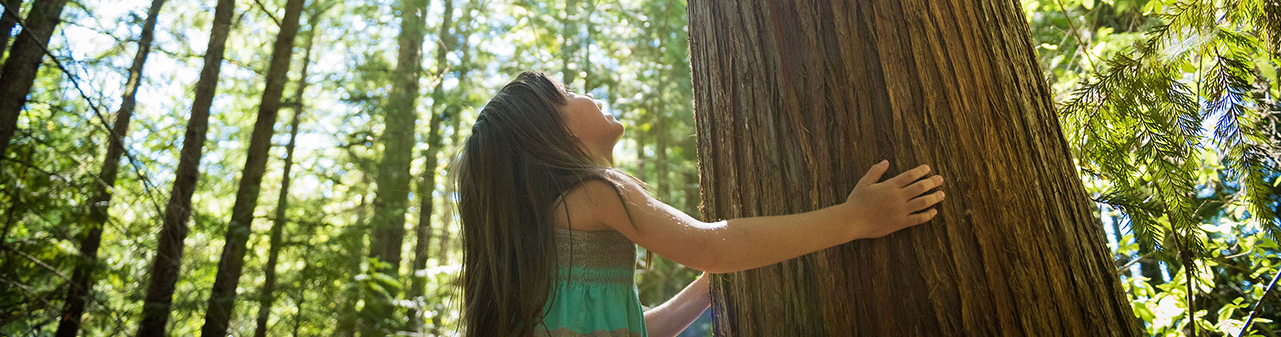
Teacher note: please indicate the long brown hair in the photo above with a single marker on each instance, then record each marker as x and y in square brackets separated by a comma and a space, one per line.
[518, 161]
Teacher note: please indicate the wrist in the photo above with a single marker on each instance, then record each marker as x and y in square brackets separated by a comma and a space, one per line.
[847, 222]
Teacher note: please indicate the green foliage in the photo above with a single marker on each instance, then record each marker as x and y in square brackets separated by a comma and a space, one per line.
[1174, 125]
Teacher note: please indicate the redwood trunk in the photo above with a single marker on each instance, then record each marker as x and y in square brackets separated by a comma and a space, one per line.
[164, 269]
[795, 100]
[82, 277]
[20, 69]
[222, 298]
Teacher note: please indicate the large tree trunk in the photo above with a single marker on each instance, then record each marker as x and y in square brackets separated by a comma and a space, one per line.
[7, 21]
[164, 269]
[266, 296]
[795, 100]
[20, 69]
[222, 299]
[392, 196]
[82, 277]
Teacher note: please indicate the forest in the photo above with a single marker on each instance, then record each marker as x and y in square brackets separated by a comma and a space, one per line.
[283, 167]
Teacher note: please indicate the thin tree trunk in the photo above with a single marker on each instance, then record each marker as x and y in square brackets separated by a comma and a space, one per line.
[795, 100]
[585, 45]
[266, 295]
[347, 316]
[1150, 268]
[20, 69]
[427, 182]
[302, 295]
[660, 134]
[691, 192]
[164, 270]
[640, 150]
[1117, 235]
[393, 178]
[569, 47]
[7, 21]
[82, 277]
[222, 298]
[659, 109]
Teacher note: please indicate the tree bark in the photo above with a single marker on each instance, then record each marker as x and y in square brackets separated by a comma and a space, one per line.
[266, 295]
[795, 100]
[164, 269]
[391, 201]
[20, 69]
[222, 298]
[82, 277]
[7, 21]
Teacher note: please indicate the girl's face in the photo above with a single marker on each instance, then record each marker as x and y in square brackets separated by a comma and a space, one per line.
[598, 131]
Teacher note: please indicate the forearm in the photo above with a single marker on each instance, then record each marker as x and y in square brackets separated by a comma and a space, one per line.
[747, 243]
[673, 316]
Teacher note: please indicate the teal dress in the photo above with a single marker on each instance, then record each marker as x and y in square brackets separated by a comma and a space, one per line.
[595, 293]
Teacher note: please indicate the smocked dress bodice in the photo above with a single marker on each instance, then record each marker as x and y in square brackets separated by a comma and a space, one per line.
[594, 293]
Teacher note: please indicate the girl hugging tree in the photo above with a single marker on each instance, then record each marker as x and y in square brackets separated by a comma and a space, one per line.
[549, 226]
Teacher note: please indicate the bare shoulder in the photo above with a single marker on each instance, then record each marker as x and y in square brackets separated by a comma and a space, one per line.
[592, 205]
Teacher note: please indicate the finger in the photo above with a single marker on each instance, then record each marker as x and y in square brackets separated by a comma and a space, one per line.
[874, 173]
[925, 201]
[923, 185]
[910, 176]
[922, 217]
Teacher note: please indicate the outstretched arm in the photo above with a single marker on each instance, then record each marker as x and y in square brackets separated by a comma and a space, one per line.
[872, 210]
[673, 316]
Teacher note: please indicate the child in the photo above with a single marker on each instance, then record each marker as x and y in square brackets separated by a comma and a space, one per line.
[548, 225]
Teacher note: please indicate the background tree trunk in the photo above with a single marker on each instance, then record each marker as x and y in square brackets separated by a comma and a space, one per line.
[266, 295]
[392, 200]
[7, 21]
[164, 269]
[82, 277]
[1150, 267]
[222, 299]
[347, 316]
[20, 69]
[795, 100]
[427, 182]
[569, 45]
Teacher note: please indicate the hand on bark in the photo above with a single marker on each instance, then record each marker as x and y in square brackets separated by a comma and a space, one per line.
[881, 208]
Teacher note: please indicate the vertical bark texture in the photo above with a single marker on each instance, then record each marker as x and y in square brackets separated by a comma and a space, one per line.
[222, 298]
[20, 69]
[796, 99]
[392, 200]
[266, 295]
[7, 21]
[164, 269]
[82, 277]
